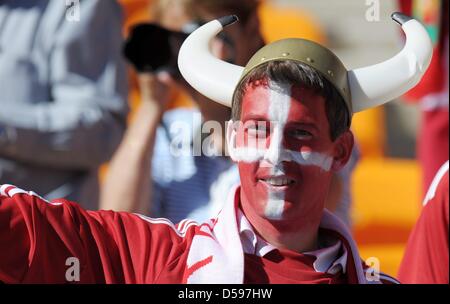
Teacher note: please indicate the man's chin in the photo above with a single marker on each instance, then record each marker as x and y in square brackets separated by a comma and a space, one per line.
[286, 214]
[273, 218]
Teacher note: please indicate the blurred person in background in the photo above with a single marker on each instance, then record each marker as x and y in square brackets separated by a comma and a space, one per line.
[426, 256]
[62, 95]
[432, 93]
[145, 175]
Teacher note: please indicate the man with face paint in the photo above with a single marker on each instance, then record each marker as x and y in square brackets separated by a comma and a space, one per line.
[291, 111]
[286, 151]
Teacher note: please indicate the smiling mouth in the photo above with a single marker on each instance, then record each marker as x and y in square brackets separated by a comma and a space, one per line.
[278, 181]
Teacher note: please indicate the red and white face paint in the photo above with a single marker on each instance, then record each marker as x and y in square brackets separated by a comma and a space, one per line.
[283, 150]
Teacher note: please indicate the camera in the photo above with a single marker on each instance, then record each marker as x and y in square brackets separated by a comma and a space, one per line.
[152, 48]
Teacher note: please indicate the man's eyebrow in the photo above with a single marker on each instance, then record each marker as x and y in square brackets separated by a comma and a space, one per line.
[255, 117]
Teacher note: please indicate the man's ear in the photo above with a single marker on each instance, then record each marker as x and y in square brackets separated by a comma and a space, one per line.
[231, 138]
[342, 150]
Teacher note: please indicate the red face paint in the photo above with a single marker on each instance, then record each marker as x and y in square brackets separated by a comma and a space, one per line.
[274, 187]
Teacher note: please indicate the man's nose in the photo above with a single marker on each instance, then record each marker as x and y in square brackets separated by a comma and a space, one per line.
[275, 153]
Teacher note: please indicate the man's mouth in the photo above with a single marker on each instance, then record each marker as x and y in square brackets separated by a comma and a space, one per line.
[278, 181]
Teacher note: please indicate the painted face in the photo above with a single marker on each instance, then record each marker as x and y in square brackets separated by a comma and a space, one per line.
[284, 152]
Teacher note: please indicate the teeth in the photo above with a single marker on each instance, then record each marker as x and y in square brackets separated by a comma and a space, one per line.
[279, 181]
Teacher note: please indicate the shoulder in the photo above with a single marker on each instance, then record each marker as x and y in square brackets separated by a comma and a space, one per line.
[128, 222]
[439, 185]
[436, 202]
[184, 229]
[16, 195]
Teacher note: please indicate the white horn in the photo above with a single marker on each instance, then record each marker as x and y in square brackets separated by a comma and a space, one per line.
[377, 84]
[212, 77]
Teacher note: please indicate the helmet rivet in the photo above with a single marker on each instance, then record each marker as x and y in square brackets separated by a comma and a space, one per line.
[263, 58]
[310, 59]
[285, 54]
[330, 73]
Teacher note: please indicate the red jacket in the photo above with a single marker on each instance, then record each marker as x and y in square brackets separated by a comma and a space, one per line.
[426, 255]
[37, 237]
[39, 241]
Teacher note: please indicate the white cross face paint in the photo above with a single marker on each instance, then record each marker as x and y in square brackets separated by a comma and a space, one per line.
[304, 158]
[280, 103]
[277, 173]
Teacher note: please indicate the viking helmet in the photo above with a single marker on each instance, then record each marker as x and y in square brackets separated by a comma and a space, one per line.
[361, 88]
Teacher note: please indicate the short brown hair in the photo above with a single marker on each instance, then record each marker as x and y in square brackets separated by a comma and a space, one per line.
[300, 74]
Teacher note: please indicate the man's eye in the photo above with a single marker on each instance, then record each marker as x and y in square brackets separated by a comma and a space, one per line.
[301, 134]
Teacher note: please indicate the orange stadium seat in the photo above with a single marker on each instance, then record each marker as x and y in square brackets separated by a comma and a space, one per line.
[386, 204]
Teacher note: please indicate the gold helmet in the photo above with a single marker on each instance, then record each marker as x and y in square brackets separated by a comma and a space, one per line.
[361, 88]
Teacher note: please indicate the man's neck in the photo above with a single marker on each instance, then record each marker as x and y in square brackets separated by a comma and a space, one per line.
[299, 236]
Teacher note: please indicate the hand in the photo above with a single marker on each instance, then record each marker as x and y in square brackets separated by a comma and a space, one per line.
[156, 89]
